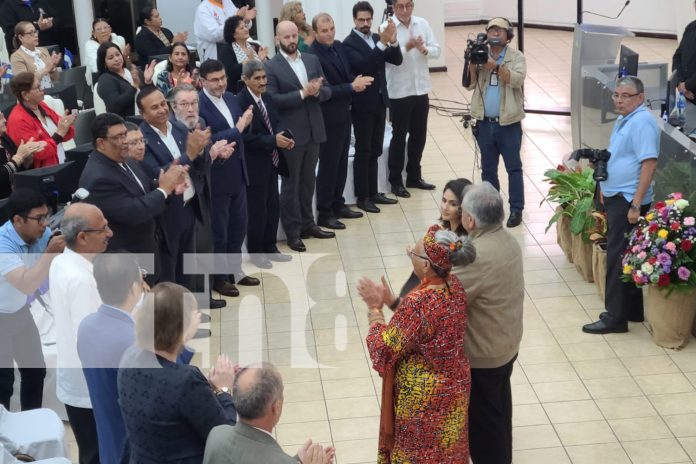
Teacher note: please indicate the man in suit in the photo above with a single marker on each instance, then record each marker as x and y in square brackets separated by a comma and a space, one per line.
[184, 103]
[258, 398]
[169, 142]
[333, 153]
[119, 187]
[296, 83]
[229, 177]
[367, 54]
[263, 143]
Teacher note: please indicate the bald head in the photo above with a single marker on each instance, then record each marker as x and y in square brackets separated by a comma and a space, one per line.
[256, 389]
[85, 228]
[286, 36]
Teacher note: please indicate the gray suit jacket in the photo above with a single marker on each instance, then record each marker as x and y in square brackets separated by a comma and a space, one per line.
[302, 117]
[242, 444]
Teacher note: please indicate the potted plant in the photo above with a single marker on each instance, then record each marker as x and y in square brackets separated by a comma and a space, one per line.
[662, 255]
[599, 251]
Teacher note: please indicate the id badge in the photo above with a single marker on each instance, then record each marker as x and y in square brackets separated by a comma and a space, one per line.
[494, 79]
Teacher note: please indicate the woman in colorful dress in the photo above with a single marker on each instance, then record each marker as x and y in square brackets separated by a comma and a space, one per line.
[420, 356]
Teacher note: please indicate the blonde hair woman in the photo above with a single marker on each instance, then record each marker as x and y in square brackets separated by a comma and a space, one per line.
[292, 11]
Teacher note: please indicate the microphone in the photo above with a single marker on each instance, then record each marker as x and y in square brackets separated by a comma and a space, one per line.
[610, 17]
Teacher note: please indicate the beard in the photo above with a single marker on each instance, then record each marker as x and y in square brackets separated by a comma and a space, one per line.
[364, 29]
[289, 48]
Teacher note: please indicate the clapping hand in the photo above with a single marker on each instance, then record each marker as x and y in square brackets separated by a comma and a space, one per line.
[388, 34]
[312, 88]
[45, 23]
[420, 44]
[126, 52]
[180, 37]
[65, 122]
[3, 69]
[26, 150]
[263, 53]
[361, 82]
[375, 295]
[196, 142]
[149, 72]
[222, 373]
[222, 149]
[174, 176]
[55, 59]
[244, 121]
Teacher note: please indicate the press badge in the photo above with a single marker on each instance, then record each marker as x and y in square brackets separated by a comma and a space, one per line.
[494, 79]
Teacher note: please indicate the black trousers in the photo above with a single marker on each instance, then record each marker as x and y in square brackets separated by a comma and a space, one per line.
[229, 221]
[333, 168]
[263, 204]
[409, 116]
[20, 342]
[623, 300]
[85, 429]
[490, 415]
[369, 142]
[297, 190]
[180, 241]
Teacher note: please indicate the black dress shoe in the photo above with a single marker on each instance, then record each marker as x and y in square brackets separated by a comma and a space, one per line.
[420, 184]
[604, 314]
[226, 289]
[367, 205]
[400, 191]
[261, 261]
[248, 281]
[296, 245]
[345, 212]
[382, 199]
[214, 303]
[317, 232]
[602, 326]
[331, 223]
[515, 219]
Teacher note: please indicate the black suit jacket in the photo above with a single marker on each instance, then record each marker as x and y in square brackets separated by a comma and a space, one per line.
[118, 94]
[148, 44]
[133, 215]
[259, 142]
[230, 175]
[370, 62]
[233, 68]
[338, 74]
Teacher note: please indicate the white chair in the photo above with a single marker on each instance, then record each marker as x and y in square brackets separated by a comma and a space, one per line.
[7, 458]
[159, 69]
[39, 433]
[4, 55]
[99, 105]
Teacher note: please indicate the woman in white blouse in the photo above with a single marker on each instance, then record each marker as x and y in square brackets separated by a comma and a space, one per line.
[29, 57]
[101, 33]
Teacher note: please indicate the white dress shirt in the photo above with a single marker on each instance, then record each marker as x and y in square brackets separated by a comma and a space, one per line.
[412, 76]
[370, 41]
[298, 67]
[222, 107]
[170, 142]
[73, 297]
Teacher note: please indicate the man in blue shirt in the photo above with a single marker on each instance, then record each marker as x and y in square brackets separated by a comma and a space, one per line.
[627, 193]
[26, 251]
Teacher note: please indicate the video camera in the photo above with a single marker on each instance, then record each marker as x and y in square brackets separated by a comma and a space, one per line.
[477, 49]
[389, 10]
[597, 157]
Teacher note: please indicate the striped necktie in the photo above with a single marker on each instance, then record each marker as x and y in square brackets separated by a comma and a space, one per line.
[262, 107]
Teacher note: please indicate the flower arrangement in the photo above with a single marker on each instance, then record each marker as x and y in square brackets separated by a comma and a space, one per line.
[662, 247]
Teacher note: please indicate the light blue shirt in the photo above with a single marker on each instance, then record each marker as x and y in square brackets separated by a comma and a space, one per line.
[16, 253]
[491, 100]
[635, 138]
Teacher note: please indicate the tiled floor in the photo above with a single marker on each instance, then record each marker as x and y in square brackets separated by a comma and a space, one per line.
[578, 398]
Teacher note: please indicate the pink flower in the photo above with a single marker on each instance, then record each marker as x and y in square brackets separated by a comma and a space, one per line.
[689, 221]
[676, 195]
[671, 247]
[683, 273]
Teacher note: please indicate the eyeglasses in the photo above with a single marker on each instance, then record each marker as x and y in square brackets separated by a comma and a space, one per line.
[217, 80]
[186, 105]
[40, 219]
[34, 32]
[118, 137]
[411, 252]
[102, 229]
[623, 96]
[406, 6]
[135, 143]
[363, 20]
[99, 30]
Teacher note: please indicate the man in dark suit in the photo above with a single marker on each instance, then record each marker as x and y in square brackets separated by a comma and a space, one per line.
[120, 188]
[166, 143]
[263, 142]
[229, 179]
[333, 153]
[367, 54]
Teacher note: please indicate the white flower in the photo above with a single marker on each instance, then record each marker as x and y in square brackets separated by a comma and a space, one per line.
[647, 268]
[681, 204]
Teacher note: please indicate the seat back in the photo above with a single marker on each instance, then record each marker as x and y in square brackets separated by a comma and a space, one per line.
[99, 105]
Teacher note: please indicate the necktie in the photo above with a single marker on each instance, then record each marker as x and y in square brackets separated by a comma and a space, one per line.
[132, 175]
[262, 107]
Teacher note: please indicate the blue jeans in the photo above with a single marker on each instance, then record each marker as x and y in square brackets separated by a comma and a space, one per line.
[495, 140]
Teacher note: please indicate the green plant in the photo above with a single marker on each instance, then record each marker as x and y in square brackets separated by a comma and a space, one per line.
[574, 191]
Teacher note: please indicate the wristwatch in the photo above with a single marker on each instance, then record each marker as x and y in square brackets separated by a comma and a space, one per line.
[634, 207]
[222, 390]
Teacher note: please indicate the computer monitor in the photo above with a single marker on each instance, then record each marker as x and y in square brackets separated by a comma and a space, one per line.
[57, 183]
[79, 155]
[628, 62]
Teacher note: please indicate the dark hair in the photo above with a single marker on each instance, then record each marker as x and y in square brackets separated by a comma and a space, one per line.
[230, 26]
[101, 56]
[165, 315]
[22, 201]
[253, 399]
[210, 66]
[18, 30]
[146, 14]
[457, 187]
[22, 82]
[94, 23]
[170, 67]
[144, 93]
[115, 274]
[131, 126]
[320, 17]
[101, 125]
[362, 6]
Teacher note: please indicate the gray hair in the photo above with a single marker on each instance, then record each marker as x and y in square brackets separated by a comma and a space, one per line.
[484, 203]
[250, 67]
[631, 81]
[462, 256]
[253, 399]
[171, 96]
[71, 226]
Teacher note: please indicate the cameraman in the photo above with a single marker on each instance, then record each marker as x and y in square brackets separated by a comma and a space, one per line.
[627, 194]
[498, 107]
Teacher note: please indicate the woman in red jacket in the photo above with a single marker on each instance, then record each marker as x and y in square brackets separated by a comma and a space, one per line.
[31, 117]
